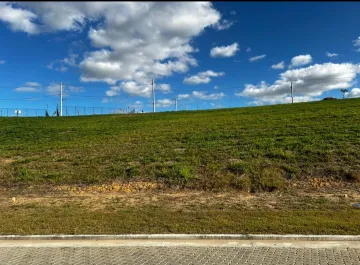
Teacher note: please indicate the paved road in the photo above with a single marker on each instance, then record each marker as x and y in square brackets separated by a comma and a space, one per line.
[178, 252]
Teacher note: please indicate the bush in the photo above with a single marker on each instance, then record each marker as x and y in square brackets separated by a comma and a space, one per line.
[174, 175]
[242, 182]
[271, 179]
[238, 168]
[22, 174]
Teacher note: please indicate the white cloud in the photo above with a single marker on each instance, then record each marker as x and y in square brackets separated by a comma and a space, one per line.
[165, 88]
[132, 41]
[27, 89]
[256, 58]
[60, 68]
[224, 51]
[233, 12]
[53, 89]
[328, 54]
[202, 77]
[33, 84]
[137, 105]
[19, 19]
[248, 49]
[354, 93]
[278, 66]
[2, 61]
[282, 100]
[357, 43]
[223, 24]
[76, 89]
[203, 96]
[132, 88]
[59, 65]
[309, 82]
[183, 96]
[301, 60]
[71, 59]
[216, 87]
[106, 100]
[163, 103]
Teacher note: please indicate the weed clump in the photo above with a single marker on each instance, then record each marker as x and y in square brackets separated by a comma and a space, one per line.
[271, 179]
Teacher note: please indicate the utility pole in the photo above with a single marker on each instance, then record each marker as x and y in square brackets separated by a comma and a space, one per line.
[176, 103]
[153, 94]
[61, 100]
[291, 88]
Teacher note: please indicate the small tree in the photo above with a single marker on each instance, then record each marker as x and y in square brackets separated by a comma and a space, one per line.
[343, 91]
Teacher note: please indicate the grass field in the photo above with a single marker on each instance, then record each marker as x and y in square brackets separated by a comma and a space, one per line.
[244, 150]
[241, 148]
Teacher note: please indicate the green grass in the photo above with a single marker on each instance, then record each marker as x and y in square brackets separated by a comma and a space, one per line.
[214, 149]
[72, 219]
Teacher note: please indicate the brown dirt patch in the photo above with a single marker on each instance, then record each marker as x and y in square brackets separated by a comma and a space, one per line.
[6, 161]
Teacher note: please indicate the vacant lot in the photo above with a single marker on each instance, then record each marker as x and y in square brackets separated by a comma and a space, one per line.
[89, 172]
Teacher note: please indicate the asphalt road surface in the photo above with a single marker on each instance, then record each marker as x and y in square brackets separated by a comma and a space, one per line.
[182, 252]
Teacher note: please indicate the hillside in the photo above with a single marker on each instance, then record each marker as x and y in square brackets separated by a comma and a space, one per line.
[255, 148]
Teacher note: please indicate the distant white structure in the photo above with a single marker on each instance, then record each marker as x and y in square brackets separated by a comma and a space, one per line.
[135, 111]
[17, 112]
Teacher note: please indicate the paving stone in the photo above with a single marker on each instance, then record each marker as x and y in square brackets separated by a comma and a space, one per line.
[177, 255]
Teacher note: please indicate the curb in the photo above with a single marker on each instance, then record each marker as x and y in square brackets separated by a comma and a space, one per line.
[186, 237]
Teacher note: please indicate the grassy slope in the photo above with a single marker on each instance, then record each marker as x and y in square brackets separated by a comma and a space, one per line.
[204, 149]
[195, 149]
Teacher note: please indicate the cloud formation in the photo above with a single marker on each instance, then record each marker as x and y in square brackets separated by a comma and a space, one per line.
[356, 44]
[132, 42]
[301, 60]
[280, 65]
[29, 87]
[204, 96]
[224, 51]
[309, 83]
[328, 54]
[354, 93]
[202, 77]
[256, 58]
[183, 96]
[223, 24]
[163, 103]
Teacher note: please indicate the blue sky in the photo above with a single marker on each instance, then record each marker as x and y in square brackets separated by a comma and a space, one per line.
[210, 55]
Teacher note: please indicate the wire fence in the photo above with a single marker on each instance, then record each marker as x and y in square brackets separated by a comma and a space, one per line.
[67, 111]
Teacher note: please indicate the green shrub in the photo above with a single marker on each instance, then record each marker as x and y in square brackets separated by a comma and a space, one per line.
[116, 172]
[22, 174]
[132, 172]
[271, 179]
[238, 167]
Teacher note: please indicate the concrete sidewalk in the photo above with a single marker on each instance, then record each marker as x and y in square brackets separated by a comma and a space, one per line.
[178, 251]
